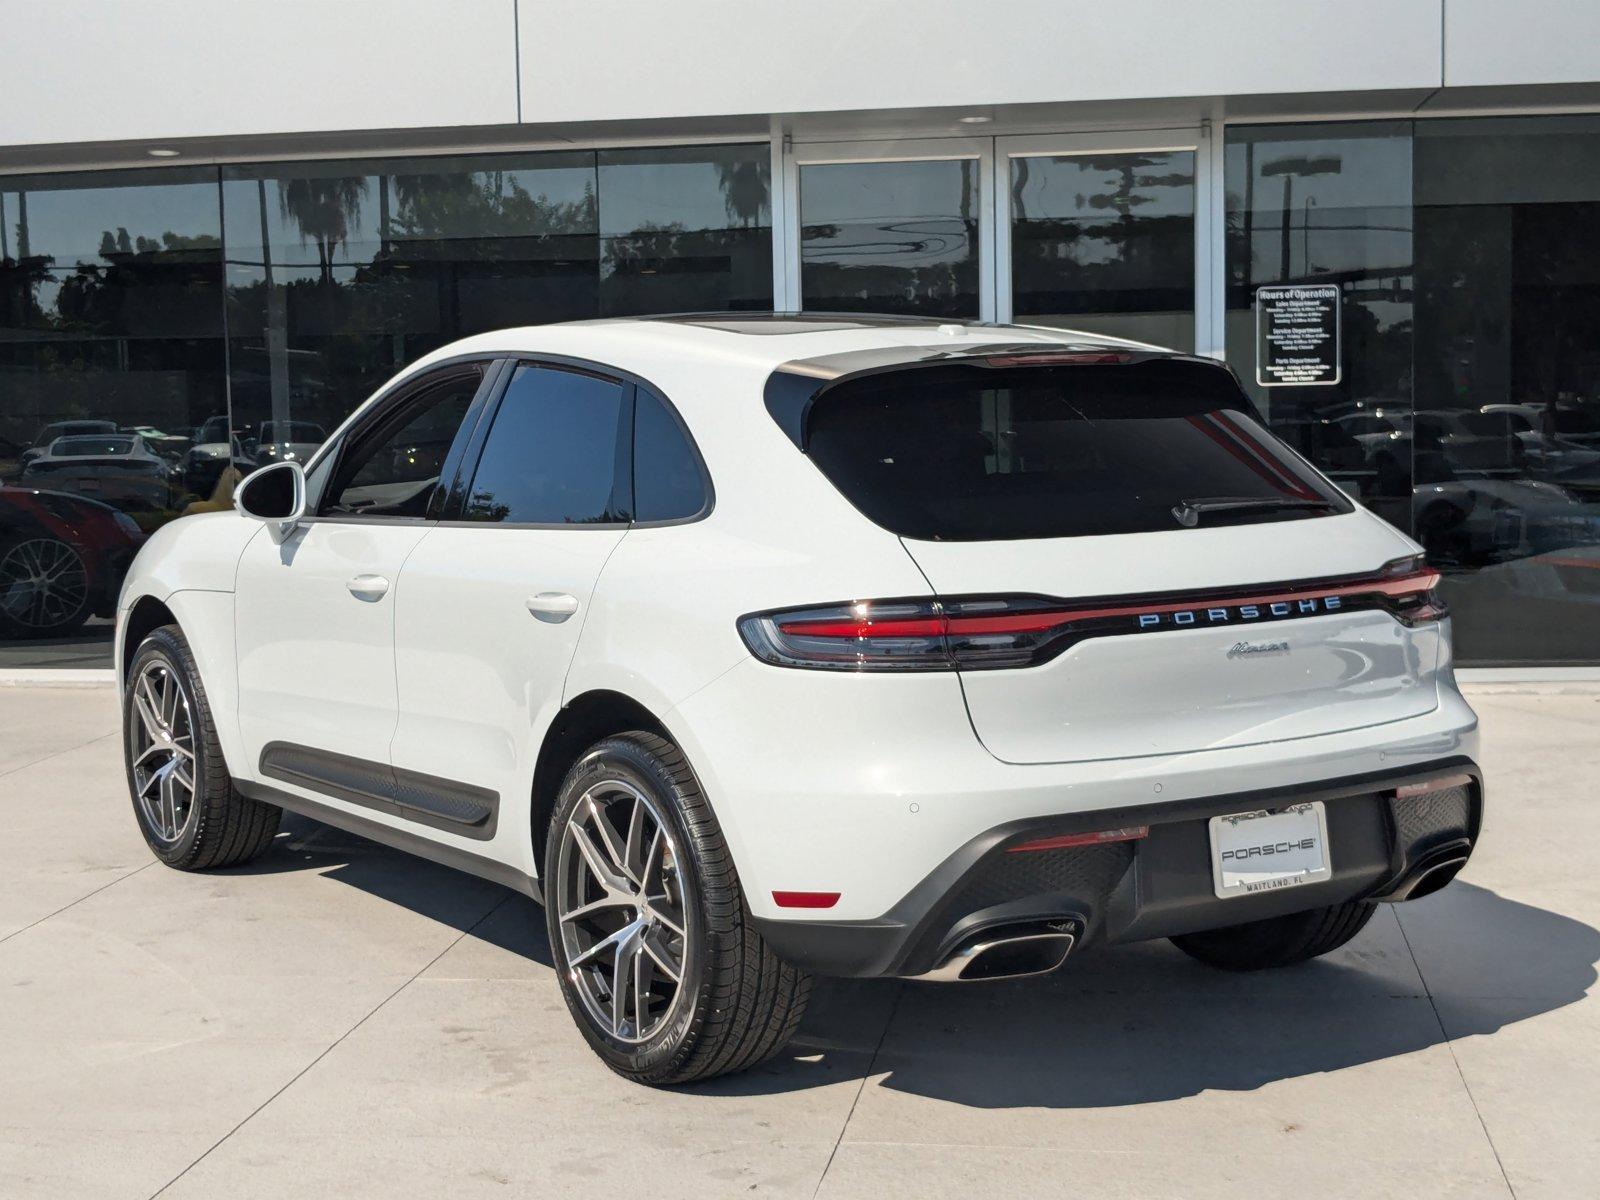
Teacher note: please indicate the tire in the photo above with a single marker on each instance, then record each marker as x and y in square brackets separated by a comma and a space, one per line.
[735, 1003]
[1278, 941]
[53, 608]
[217, 827]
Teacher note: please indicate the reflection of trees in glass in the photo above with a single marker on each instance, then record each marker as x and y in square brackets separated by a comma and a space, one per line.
[483, 204]
[746, 184]
[326, 211]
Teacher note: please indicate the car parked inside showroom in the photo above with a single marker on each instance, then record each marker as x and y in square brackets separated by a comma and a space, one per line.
[766, 647]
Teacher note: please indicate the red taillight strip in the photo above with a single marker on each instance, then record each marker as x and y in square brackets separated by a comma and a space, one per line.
[1044, 620]
[1132, 833]
[861, 627]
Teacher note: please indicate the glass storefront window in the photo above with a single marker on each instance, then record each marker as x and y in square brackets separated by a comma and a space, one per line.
[341, 273]
[112, 366]
[1506, 428]
[1331, 204]
[890, 237]
[145, 367]
[1105, 243]
[685, 229]
[1467, 252]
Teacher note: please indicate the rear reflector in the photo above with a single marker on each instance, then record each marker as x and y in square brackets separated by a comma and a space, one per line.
[805, 899]
[1432, 785]
[1065, 841]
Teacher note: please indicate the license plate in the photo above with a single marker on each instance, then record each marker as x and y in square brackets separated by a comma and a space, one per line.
[1265, 851]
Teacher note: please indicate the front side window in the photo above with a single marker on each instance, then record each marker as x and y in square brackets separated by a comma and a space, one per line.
[967, 453]
[551, 457]
[395, 468]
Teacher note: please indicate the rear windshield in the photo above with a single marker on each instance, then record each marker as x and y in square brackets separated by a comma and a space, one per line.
[968, 453]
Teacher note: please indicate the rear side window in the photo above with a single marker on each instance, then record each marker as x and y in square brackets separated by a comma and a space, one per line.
[667, 481]
[551, 457]
[967, 453]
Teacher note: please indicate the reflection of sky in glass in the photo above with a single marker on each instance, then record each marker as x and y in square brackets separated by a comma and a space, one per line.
[1098, 189]
[701, 188]
[1353, 220]
[1081, 187]
[836, 193]
[901, 214]
[67, 224]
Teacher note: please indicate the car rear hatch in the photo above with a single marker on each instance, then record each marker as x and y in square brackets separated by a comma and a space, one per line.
[1126, 562]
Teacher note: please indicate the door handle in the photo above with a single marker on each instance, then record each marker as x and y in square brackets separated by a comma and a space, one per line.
[368, 587]
[552, 606]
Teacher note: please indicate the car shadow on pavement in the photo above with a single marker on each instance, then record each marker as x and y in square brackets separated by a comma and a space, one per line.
[1144, 1023]
[486, 911]
[1125, 1025]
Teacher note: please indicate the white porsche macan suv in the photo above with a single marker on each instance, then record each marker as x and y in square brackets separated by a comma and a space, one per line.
[758, 647]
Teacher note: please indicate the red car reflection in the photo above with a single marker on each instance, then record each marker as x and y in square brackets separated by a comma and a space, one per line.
[62, 560]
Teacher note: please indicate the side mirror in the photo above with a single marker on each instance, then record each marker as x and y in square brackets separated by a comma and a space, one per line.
[276, 495]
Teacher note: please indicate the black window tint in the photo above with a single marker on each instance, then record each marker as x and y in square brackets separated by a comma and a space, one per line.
[973, 454]
[551, 457]
[667, 484]
[394, 470]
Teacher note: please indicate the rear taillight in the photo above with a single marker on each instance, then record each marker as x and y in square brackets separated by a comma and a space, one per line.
[1411, 588]
[912, 635]
[976, 633]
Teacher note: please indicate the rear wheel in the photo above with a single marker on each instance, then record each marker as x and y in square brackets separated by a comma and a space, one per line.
[183, 797]
[654, 947]
[1278, 941]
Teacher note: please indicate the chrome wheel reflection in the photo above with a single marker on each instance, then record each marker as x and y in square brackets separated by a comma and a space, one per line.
[162, 746]
[619, 903]
[42, 583]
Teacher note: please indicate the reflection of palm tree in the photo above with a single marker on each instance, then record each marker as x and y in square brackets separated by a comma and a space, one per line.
[745, 184]
[326, 211]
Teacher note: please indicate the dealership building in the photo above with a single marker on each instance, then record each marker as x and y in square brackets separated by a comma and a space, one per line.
[223, 225]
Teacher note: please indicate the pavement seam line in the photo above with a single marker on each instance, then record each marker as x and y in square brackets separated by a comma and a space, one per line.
[1449, 1044]
[865, 1075]
[56, 754]
[78, 901]
[331, 1046]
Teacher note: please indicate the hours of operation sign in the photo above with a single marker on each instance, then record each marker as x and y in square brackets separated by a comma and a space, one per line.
[1297, 334]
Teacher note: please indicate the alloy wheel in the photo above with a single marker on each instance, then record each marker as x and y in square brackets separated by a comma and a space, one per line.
[163, 751]
[619, 904]
[43, 583]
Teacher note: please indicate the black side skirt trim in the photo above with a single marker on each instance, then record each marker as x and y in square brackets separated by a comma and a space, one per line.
[397, 839]
[458, 808]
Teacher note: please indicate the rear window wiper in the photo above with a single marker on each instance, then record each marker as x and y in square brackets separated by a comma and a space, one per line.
[1189, 512]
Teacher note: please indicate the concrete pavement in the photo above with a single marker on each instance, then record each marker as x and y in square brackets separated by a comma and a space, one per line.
[338, 1019]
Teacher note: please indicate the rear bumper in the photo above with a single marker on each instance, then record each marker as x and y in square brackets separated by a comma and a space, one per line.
[1382, 847]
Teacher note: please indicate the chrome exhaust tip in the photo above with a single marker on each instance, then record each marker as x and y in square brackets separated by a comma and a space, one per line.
[1007, 953]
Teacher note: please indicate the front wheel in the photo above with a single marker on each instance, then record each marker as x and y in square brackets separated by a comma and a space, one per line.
[658, 959]
[190, 813]
[1278, 941]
